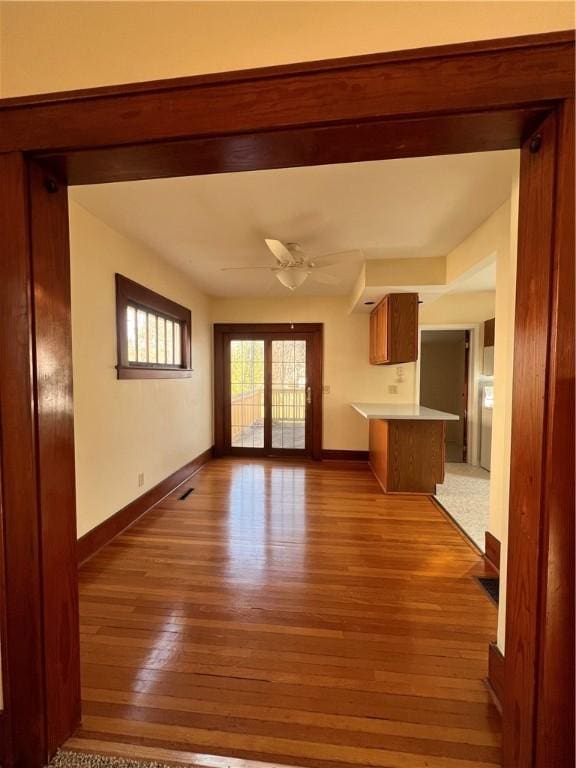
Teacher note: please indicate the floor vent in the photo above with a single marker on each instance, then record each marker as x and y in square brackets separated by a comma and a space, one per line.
[185, 494]
[491, 586]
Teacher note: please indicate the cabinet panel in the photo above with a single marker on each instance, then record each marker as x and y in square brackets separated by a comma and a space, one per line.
[407, 456]
[394, 329]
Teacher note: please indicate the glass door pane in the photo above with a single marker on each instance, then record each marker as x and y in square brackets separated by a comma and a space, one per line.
[247, 393]
[289, 394]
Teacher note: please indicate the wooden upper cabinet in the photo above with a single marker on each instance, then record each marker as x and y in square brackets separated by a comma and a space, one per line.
[394, 329]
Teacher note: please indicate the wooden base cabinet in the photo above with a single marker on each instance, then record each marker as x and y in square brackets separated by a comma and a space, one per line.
[394, 330]
[407, 456]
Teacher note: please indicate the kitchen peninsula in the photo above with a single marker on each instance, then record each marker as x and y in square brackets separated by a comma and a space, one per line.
[406, 445]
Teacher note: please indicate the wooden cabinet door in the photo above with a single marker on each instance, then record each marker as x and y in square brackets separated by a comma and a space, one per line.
[394, 329]
[383, 345]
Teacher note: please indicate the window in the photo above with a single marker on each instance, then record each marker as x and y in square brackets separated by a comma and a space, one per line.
[153, 334]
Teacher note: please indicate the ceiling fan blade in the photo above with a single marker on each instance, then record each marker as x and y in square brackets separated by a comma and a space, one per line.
[233, 269]
[322, 277]
[281, 253]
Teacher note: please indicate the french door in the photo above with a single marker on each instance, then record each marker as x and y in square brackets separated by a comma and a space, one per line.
[268, 390]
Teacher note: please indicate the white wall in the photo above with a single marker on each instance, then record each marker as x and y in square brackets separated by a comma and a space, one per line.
[347, 370]
[122, 428]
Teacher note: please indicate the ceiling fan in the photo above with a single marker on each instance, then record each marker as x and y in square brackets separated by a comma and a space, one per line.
[293, 267]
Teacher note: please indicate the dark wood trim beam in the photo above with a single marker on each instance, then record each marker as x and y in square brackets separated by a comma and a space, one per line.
[492, 550]
[24, 686]
[102, 534]
[55, 451]
[526, 545]
[375, 140]
[385, 86]
[555, 702]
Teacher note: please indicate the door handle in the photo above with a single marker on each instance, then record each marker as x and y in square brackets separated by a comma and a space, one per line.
[309, 395]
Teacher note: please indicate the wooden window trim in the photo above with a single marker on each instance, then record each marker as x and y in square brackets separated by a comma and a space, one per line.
[130, 293]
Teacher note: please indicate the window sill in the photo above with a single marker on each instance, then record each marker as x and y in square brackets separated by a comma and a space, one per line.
[140, 372]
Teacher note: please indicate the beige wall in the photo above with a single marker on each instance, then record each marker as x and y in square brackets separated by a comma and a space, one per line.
[459, 308]
[346, 368]
[50, 46]
[481, 246]
[495, 238]
[502, 414]
[126, 427]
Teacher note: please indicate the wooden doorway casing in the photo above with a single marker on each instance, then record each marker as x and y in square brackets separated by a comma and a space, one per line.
[472, 97]
[313, 333]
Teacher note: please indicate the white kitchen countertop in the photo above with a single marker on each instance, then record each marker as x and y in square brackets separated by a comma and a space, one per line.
[392, 411]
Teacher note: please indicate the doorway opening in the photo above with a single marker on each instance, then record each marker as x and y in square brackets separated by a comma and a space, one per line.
[285, 117]
[444, 373]
[268, 390]
[452, 377]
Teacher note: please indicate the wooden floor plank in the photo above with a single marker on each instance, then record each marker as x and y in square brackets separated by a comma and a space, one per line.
[288, 614]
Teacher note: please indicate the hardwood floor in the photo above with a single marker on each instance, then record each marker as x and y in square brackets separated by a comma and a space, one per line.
[289, 613]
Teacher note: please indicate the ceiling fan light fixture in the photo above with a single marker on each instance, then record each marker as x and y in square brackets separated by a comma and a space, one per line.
[292, 278]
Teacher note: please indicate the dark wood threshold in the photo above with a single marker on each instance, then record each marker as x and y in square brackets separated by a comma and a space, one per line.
[492, 550]
[98, 537]
[471, 543]
[495, 679]
[329, 454]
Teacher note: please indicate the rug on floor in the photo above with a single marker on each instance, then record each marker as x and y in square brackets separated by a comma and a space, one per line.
[68, 759]
[464, 494]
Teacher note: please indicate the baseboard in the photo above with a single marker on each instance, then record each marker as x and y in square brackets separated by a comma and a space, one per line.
[329, 454]
[492, 550]
[495, 681]
[98, 537]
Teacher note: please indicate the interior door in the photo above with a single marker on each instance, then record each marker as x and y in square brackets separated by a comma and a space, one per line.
[268, 402]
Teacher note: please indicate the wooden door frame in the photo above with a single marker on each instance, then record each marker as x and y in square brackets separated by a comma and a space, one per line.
[221, 331]
[472, 97]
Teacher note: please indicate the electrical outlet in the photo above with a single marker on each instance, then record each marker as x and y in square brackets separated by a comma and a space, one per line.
[140, 479]
[392, 389]
[326, 389]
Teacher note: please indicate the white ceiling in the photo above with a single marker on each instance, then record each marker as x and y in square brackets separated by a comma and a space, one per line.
[386, 209]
